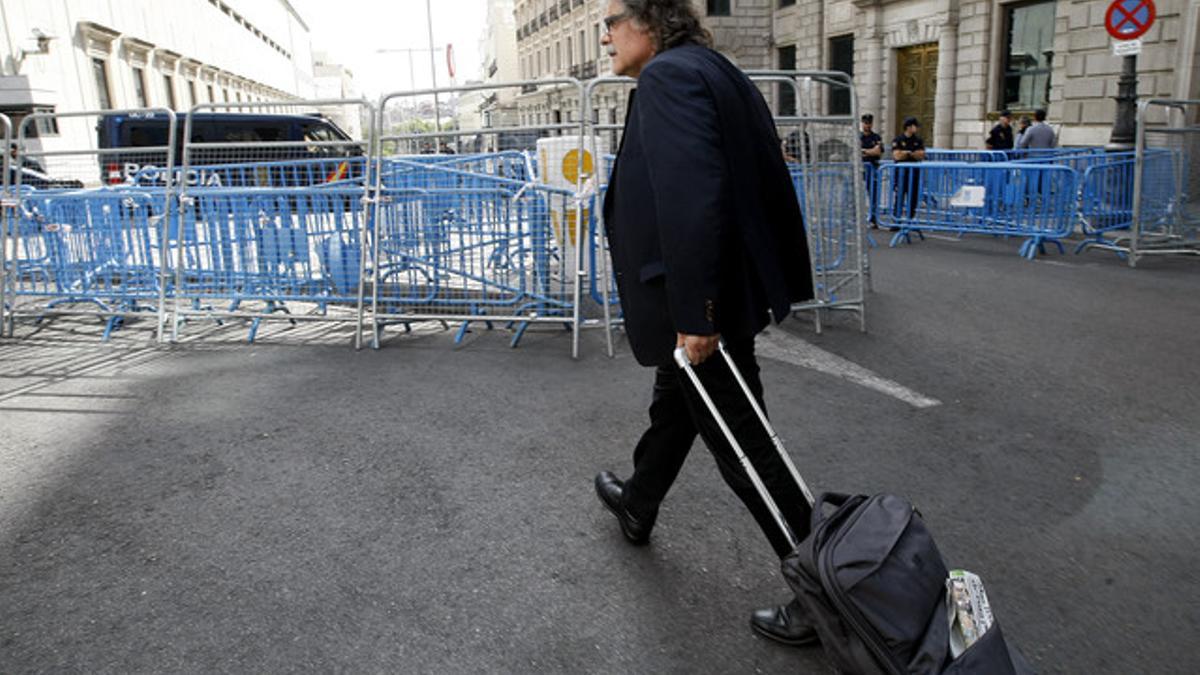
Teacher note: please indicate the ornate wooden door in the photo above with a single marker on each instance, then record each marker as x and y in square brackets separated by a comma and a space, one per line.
[916, 86]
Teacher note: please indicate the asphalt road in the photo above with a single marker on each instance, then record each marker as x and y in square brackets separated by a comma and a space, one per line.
[296, 505]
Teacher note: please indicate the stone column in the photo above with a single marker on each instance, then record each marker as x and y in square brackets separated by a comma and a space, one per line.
[947, 75]
[870, 83]
[869, 76]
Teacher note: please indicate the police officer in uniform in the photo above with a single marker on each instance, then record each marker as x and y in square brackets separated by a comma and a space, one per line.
[908, 147]
[1001, 135]
[871, 143]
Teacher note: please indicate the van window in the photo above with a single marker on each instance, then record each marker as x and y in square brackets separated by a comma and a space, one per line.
[143, 135]
[314, 132]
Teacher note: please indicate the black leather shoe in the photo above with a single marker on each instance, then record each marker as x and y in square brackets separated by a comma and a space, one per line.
[784, 624]
[610, 488]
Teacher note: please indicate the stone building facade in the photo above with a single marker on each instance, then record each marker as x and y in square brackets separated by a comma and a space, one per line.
[78, 55]
[561, 38]
[959, 62]
[954, 64]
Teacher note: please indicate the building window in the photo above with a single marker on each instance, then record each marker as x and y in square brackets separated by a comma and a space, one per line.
[1028, 56]
[139, 88]
[570, 54]
[718, 7]
[596, 40]
[100, 72]
[787, 93]
[225, 92]
[557, 56]
[786, 3]
[582, 48]
[212, 96]
[191, 92]
[841, 57]
[169, 86]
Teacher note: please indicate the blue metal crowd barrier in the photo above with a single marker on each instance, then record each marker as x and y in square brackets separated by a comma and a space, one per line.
[945, 155]
[829, 217]
[264, 248]
[1025, 200]
[1106, 197]
[100, 248]
[1041, 154]
[472, 238]
[300, 173]
[474, 253]
[509, 164]
[1078, 160]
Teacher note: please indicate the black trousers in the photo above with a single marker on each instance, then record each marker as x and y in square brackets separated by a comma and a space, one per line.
[677, 414]
[906, 191]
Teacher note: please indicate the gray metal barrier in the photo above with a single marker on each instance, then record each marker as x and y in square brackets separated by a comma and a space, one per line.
[480, 224]
[81, 241]
[7, 204]
[604, 137]
[273, 222]
[1172, 228]
[823, 154]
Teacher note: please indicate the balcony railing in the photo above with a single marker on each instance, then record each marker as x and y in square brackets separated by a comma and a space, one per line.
[583, 71]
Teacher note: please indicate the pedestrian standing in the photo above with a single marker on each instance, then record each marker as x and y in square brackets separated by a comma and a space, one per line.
[1001, 135]
[1022, 127]
[907, 149]
[708, 244]
[1040, 135]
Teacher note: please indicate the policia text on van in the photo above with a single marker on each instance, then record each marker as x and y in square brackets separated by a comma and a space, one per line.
[275, 138]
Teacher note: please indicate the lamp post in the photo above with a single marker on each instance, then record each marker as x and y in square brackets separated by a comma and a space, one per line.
[437, 108]
[1125, 124]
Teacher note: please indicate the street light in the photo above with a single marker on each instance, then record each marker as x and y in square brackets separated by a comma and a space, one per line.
[437, 108]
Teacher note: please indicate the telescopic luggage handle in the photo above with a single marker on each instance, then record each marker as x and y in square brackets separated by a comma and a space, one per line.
[682, 359]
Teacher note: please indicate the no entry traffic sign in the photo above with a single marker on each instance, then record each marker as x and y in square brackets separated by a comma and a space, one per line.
[1129, 19]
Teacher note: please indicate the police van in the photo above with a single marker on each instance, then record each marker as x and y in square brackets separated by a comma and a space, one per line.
[274, 161]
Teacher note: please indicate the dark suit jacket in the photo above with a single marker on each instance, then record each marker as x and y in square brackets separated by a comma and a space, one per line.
[702, 219]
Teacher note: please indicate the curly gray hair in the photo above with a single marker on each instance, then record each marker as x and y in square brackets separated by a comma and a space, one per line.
[671, 22]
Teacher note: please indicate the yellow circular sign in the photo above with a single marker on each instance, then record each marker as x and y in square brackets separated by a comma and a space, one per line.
[570, 165]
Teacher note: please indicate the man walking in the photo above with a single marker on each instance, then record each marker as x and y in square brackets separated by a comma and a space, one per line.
[707, 244]
[1040, 135]
[1001, 135]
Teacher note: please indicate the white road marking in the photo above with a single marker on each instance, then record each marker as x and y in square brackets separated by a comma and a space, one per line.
[780, 346]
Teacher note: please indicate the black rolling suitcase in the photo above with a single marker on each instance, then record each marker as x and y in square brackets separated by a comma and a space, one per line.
[870, 577]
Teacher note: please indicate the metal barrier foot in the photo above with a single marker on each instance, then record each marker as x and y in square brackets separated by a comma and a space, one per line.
[113, 323]
[905, 234]
[516, 338]
[1100, 242]
[462, 332]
